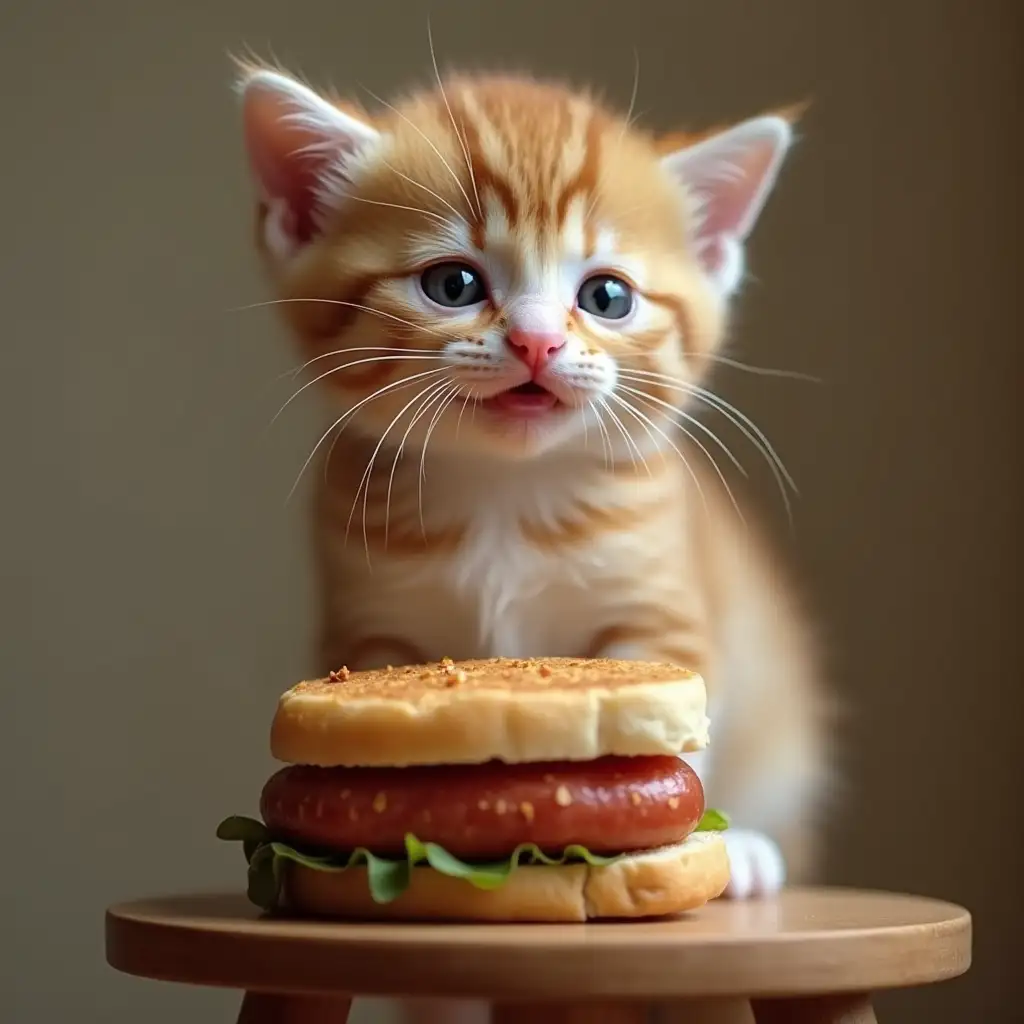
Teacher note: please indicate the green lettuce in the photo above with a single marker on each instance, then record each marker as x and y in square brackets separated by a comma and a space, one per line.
[388, 877]
[712, 821]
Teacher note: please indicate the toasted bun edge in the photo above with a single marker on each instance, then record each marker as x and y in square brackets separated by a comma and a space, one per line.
[653, 883]
[478, 725]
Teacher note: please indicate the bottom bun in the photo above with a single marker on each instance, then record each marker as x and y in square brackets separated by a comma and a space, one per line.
[653, 883]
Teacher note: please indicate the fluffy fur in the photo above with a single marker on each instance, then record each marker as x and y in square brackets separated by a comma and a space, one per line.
[443, 528]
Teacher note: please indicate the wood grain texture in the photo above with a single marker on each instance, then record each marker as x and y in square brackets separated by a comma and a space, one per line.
[805, 942]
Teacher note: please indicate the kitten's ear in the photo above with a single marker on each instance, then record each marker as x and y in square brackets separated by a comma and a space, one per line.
[729, 176]
[301, 149]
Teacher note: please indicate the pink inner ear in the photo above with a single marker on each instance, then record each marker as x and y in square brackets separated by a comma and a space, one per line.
[286, 158]
[733, 192]
[712, 253]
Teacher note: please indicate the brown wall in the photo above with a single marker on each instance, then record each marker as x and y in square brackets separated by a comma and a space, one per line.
[155, 589]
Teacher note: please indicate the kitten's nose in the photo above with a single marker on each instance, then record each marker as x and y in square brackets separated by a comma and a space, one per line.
[535, 348]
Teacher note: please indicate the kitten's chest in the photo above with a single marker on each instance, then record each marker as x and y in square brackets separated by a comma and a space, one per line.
[525, 600]
[529, 582]
[543, 563]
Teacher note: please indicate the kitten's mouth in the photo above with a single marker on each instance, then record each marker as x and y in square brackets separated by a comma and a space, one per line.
[527, 401]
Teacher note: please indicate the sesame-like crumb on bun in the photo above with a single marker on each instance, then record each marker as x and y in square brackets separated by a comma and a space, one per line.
[509, 709]
[654, 883]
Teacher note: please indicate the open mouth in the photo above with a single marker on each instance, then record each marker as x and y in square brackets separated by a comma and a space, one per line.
[526, 401]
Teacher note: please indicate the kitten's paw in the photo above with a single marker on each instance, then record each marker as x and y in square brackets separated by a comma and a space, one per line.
[755, 864]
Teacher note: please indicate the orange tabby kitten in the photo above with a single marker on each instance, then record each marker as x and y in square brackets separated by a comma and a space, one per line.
[513, 296]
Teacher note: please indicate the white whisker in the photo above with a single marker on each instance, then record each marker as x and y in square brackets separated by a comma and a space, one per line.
[426, 393]
[447, 400]
[455, 127]
[349, 305]
[347, 351]
[606, 441]
[347, 366]
[398, 206]
[711, 459]
[429, 191]
[635, 93]
[740, 420]
[349, 413]
[642, 420]
[462, 412]
[761, 371]
[675, 448]
[631, 445]
[427, 140]
[675, 411]
[366, 477]
[626, 121]
[397, 385]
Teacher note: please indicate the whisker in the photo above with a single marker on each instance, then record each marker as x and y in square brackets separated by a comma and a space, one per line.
[635, 93]
[626, 122]
[366, 477]
[427, 140]
[761, 371]
[674, 411]
[641, 420]
[682, 457]
[714, 465]
[631, 445]
[740, 420]
[395, 386]
[346, 351]
[427, 392]
[462, 411]
[348, 413]
[447, 400]
[398, 206]
[606, 441]
[455, 127]
[429, 191]
[349, 305]
[347, 366]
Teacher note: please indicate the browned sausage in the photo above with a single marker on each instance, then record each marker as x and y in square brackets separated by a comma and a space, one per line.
[478, 812]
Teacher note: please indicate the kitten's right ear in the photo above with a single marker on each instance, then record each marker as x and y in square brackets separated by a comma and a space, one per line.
[301, 150]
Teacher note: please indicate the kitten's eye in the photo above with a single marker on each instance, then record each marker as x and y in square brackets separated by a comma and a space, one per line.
[605, 296]
[453, 284]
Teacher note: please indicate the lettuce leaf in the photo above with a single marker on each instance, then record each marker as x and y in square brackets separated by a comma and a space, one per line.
[388, 878]
[713, 821]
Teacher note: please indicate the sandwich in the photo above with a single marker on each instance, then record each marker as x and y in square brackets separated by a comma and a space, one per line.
[490, 790]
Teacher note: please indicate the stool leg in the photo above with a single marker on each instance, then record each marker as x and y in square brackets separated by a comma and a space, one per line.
[597, 1012]
[847, 1009]
[704, 1011]
[274, 1008]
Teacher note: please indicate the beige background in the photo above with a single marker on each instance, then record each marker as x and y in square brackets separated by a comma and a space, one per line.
[155, 588]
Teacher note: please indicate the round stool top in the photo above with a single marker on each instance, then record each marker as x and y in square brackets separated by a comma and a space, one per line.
[805, 941]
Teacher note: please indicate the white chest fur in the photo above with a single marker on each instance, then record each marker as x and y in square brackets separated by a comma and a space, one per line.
[501, 593]
[527, 599]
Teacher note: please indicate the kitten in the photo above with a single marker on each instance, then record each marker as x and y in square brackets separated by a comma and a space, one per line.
[513, 297]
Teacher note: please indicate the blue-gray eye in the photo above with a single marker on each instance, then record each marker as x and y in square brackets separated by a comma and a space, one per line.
[453, 284]
[605, 296]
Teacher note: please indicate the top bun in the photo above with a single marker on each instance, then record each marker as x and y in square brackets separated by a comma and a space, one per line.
[508, 709]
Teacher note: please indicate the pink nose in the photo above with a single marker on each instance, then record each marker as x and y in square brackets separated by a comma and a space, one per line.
[535, 348]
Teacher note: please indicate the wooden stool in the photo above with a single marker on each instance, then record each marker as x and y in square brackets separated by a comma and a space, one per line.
[810, 956]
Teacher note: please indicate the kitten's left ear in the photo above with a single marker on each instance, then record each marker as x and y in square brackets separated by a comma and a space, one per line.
[301, 150]
[729, 176]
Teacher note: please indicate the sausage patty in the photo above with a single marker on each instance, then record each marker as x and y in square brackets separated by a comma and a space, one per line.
[479, 812]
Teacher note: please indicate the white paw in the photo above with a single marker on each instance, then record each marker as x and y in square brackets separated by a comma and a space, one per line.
[755, 864]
